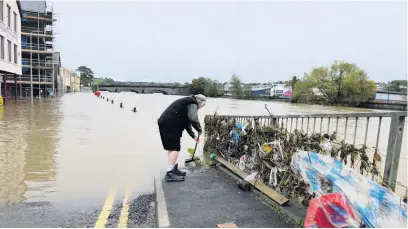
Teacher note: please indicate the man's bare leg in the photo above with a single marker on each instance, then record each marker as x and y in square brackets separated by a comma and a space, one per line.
[172, 159]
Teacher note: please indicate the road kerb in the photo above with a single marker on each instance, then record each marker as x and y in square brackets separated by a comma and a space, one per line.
[162, 216]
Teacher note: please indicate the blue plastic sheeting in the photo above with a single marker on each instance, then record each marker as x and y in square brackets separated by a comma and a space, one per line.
[377, 206]
[235, 134]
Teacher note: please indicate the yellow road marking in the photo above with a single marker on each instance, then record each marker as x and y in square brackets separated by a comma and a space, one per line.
[107, 207]
[124, 213]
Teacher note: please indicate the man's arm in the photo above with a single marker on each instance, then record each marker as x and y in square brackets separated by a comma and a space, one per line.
[192, 115]
[190, 131]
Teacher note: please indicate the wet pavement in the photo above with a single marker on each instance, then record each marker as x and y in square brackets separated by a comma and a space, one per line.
[209, 196]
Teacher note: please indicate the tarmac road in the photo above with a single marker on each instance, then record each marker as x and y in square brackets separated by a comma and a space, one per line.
[115, 212]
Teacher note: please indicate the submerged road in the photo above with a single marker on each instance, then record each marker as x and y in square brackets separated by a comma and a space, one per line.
[75, 161]
[80, 161]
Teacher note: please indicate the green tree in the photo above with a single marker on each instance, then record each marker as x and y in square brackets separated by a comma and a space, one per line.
[197, 86]
[247, 92]
[236, 88]
[206, 86]
[397, 86]
[343, 83]
[213, 88]
[86, 75]
[99, 81]
[291, 83]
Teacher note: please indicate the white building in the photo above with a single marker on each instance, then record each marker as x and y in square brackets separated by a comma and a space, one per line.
[70, 80]
[10, 43]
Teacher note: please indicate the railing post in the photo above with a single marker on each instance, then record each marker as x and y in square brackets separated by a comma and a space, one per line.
[393, 150]
[274, 120]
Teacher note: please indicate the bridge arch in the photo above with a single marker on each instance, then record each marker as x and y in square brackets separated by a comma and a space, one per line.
[135, 91]
[159, 91]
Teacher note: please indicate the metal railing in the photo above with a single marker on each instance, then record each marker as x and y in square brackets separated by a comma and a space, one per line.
[353, 128]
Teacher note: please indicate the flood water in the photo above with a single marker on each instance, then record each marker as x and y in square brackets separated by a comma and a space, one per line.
[76, 147]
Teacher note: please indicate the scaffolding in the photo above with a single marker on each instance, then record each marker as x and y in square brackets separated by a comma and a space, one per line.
[37, 52]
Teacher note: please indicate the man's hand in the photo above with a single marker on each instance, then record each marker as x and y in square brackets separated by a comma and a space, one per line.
[197, 139]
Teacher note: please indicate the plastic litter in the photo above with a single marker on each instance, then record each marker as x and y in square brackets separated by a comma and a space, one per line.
[242, 163]
[375, 205]
[329, 211]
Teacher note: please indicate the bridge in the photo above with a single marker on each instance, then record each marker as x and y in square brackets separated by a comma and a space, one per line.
[146, 89]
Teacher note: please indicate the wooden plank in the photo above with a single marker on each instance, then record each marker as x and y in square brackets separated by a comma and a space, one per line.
[227, 225]
[278, 198]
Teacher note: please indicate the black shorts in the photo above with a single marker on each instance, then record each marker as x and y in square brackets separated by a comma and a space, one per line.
[170, 138]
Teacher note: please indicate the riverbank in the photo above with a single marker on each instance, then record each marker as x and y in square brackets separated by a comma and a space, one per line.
[367, 105]
[385, 106]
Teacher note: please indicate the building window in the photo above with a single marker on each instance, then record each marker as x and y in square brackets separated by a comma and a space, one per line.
[2, 47]
[15, 21]
[15, 54]
[9, 50]
[9, 16]
[1, 10]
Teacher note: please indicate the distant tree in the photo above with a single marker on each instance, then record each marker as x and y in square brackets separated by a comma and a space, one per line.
[397, 86]
[99, 81]
[197, 86]
[206, 86]
[344, 83]
[213, 88]
[236, 88]
[247, 92]
[109, 81]
[291, 83]
[86, 75]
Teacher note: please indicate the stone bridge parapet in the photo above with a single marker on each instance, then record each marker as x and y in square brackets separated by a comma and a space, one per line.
[146, 89]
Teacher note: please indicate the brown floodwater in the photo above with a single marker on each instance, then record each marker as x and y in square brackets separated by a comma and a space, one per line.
[77, 147]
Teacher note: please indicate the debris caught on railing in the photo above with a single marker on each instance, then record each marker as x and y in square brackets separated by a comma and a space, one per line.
[268, 149]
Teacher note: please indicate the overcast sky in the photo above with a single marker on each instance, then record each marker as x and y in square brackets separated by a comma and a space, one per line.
[259, 41]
